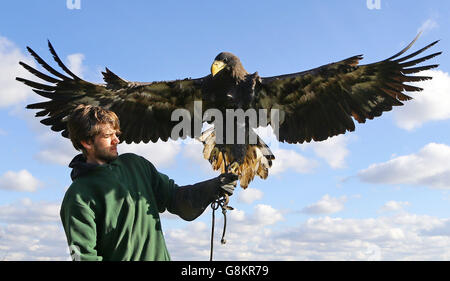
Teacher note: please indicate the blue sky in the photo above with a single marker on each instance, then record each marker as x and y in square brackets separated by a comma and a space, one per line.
[381, 192]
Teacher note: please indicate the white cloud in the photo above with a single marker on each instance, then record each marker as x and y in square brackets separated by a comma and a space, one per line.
[76, 64]
[27, 242]
[326, 205]
[291, 160]
[333, 150]
[285, 159]
[193, 152]
[268, 137]
[32, 231]
[54, 148]
[402, 236]
[394, 206]
[56, 156]
[249, 195]
[19, 181]
[442, 229]
[432, 104]
[428, 167]
[428, 25]
[161, 154]
[266, 215]
[245, 234]
[13, 92]
[29, 212]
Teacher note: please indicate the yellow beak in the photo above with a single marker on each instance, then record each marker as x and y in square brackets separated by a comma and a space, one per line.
[217, 66]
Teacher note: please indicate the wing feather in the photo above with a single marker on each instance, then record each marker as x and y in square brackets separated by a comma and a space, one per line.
[38, 73]
[60, 63]
[144, 108]
[321, 102]
[45, 65]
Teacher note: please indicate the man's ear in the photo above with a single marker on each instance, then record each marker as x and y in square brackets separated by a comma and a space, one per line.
[87, 144]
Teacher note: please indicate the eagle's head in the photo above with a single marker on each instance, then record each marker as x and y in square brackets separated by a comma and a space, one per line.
[230, 64]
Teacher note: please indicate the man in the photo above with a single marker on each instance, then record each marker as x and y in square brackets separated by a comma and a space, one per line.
[111, 210]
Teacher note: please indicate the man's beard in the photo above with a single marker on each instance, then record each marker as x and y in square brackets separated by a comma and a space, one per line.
[105, 154]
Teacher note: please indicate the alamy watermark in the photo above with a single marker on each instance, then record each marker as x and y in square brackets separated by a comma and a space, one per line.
[237, 121]
[373, 4]
[73, 4]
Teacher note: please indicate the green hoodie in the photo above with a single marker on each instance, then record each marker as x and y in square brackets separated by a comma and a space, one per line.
[111, 211]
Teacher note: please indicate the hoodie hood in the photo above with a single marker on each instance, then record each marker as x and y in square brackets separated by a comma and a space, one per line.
[80, 166]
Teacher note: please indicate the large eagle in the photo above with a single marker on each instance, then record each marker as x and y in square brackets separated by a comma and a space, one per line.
[314, 105]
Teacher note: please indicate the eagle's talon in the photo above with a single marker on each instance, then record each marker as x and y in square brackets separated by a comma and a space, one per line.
[234, 168]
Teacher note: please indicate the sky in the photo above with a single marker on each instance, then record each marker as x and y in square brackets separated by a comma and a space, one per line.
[381, 192]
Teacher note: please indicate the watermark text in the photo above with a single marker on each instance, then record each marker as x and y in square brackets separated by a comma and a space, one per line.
[73, 4]
[236, 127]
[373, 4]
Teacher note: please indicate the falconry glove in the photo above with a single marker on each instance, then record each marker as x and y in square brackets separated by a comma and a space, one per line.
[190, 201]
[227, 183]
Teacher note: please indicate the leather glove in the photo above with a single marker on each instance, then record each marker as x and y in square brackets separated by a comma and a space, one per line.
[227, 182]
[190, 201]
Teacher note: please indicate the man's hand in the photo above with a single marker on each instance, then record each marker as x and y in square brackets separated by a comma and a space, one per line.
[227, 182]
[191, 200]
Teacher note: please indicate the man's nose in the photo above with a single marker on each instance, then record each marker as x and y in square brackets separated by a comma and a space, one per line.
[115, 139]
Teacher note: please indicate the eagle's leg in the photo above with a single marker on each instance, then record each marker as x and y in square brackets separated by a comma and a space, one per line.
[238, 151]
[214, 154]
[235, 157]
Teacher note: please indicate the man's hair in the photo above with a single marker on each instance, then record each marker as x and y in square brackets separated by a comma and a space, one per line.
[84, 123]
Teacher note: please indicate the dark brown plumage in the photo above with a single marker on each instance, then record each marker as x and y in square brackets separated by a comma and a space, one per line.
[314, 104]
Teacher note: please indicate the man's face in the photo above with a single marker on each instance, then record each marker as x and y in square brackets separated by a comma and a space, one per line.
[104, 147]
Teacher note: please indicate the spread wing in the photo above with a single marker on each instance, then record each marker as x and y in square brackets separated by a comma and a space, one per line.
[144, 109]
[320, 103]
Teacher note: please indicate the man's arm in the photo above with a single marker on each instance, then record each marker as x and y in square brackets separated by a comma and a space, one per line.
[190, 201]
[79, 225]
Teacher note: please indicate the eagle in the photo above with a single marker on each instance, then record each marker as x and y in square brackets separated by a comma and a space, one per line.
[312, 105]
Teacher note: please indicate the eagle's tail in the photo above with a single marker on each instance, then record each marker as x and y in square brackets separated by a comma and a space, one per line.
[257, 161]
